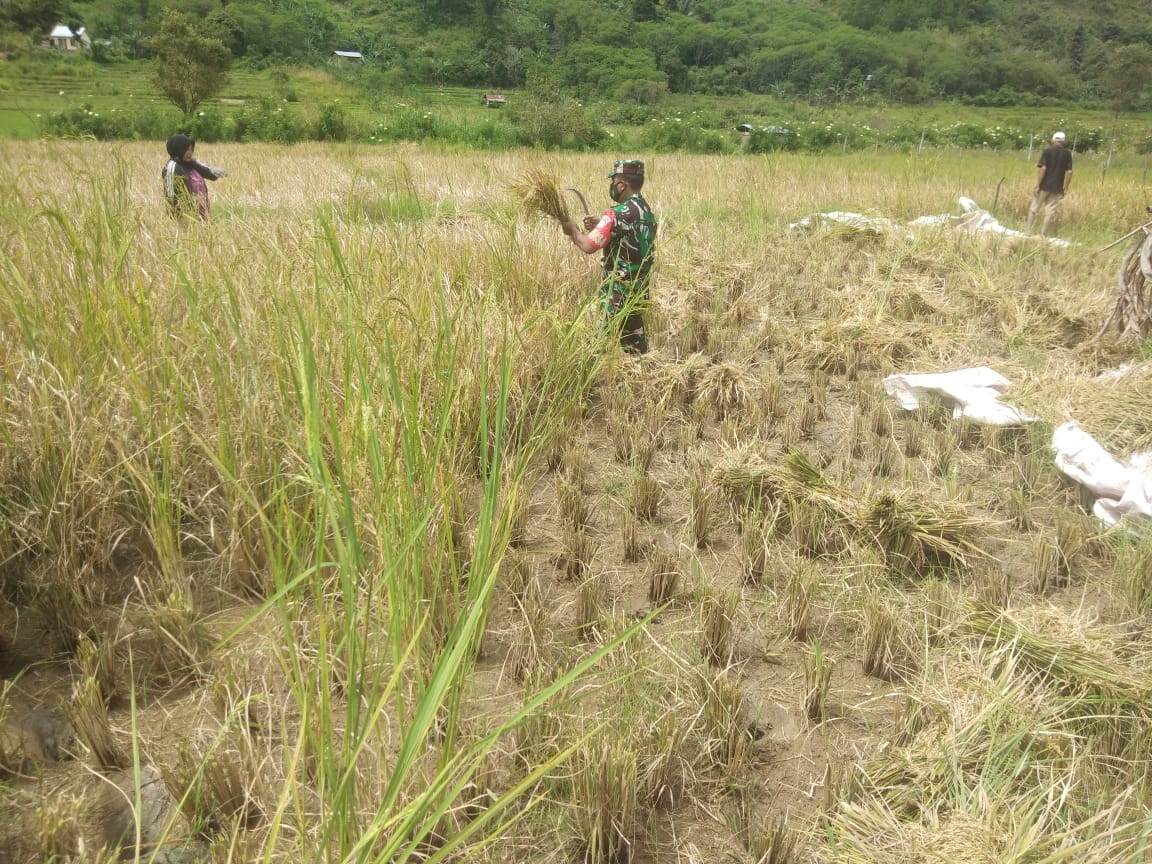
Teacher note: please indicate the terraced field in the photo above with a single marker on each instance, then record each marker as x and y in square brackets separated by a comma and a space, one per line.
[30, 91]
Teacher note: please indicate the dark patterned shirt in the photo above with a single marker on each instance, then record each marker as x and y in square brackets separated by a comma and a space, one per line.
[627, 235]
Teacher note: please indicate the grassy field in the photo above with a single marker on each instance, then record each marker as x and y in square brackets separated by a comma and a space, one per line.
[332, 531]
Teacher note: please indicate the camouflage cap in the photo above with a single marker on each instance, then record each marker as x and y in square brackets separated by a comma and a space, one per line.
[631, 167]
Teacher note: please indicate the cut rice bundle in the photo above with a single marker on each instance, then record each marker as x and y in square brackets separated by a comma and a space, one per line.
[539, 192]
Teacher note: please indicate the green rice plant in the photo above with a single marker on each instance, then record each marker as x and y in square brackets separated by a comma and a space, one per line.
[817, 678]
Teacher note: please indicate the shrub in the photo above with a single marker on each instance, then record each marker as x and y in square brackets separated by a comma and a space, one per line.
[683, 134]
[270, 122]
[211, 125]
[555, 123]
[84, 122]
[331, 125]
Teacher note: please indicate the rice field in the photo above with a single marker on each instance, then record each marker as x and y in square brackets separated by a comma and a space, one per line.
[332, 531]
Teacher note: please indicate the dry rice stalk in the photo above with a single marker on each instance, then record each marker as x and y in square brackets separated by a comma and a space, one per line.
[539, 192]
[916, 533]
[89, 718]
[663, 577]
[630, 536]
[1079, 668]
[774, 843]
[817, 677]
[1131, 316]
[579, 549]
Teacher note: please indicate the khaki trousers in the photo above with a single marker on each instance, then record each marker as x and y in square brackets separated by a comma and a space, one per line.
[1048, 202]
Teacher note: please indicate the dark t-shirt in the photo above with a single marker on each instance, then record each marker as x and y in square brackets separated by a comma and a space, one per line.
[1058, 161]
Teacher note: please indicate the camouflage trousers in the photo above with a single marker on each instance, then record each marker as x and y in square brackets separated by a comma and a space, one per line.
[622, 312]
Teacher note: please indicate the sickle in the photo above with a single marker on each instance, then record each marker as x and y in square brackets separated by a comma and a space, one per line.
[583, 203]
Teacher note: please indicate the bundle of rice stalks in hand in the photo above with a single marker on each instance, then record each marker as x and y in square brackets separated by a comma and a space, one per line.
[539, 192]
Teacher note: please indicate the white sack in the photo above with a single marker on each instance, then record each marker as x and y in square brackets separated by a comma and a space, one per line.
[973, 393]
[1120, 490]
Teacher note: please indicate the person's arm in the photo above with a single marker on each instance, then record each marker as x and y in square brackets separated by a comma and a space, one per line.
[209, 173]
[597, 237]
[1042, 165]
[1067, 180]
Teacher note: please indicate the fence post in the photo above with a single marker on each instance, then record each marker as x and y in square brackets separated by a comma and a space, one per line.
[922, 134]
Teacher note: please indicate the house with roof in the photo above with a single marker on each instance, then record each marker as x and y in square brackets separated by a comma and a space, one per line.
[63, 38]
[347, 57]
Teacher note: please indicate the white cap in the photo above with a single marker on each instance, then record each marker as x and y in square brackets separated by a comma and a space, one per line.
[1057, 136]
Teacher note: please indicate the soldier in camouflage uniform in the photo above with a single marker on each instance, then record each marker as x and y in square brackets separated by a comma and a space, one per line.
[626, 237]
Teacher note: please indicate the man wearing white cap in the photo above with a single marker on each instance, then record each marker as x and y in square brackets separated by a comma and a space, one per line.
[1052, 182]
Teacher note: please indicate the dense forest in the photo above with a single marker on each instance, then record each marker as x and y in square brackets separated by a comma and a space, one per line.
[989, 52]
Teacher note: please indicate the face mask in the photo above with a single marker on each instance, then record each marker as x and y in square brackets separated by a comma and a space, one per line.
[615, 191]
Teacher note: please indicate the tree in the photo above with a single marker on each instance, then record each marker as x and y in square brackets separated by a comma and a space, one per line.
[190, 67]
[1126, 75]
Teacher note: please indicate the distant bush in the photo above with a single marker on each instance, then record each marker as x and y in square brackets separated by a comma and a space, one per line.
[765, 141]
[559, 123]
[331, 125]
[268, 121]
[84, 122]
[684, 135]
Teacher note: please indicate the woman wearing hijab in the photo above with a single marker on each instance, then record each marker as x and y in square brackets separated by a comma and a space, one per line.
[184, 177]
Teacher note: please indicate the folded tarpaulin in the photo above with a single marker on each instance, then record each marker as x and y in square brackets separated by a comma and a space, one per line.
[1121, 490]
[972, 393]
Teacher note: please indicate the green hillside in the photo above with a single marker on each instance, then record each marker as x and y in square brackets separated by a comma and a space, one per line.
[635, 59]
